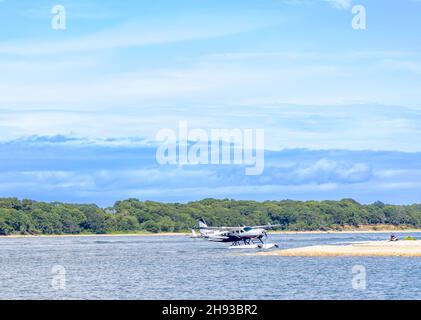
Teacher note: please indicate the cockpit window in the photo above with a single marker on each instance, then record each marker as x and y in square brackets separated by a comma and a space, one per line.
[246, 229]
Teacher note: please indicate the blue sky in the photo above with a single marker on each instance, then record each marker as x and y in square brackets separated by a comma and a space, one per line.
[79, 108]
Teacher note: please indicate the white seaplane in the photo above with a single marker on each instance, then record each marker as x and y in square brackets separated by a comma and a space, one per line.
[245, 237]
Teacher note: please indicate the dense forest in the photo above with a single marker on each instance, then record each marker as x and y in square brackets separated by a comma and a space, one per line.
[132, 215]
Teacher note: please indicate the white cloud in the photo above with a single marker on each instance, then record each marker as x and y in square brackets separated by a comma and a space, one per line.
[403, 65]
[340, 4]
[105, 174]
[135, 35]
[329, 170]
[352, 126]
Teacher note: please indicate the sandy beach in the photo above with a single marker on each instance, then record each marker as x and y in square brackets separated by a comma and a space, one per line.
[355, 231]
[401, 248]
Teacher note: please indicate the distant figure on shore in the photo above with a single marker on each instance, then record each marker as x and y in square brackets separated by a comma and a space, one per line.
[393, 238]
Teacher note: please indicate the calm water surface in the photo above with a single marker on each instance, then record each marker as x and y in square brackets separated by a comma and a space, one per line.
[176, 267]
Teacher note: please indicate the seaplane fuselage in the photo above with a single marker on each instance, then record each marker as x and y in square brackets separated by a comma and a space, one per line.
[239, 234]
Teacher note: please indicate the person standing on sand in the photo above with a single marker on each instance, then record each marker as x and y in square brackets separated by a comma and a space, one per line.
[393, 238]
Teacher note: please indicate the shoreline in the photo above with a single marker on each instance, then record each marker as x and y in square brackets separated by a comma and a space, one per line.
[168, 234]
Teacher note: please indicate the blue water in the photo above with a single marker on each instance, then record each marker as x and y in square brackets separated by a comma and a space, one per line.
[176, 267]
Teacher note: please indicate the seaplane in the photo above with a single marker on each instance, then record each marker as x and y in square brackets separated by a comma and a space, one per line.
[243, 237]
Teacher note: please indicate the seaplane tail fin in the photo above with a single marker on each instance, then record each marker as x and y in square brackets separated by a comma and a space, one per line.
[202, 223]
[193, 233]
[202, 226]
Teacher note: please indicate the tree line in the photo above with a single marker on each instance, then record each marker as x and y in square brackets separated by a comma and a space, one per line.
[132, 215]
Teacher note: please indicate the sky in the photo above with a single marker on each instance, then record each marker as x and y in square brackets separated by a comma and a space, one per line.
[80, 107]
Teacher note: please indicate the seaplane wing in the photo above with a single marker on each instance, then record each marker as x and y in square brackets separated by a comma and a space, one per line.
[204, 226]
[222, 228]
[266, 227]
